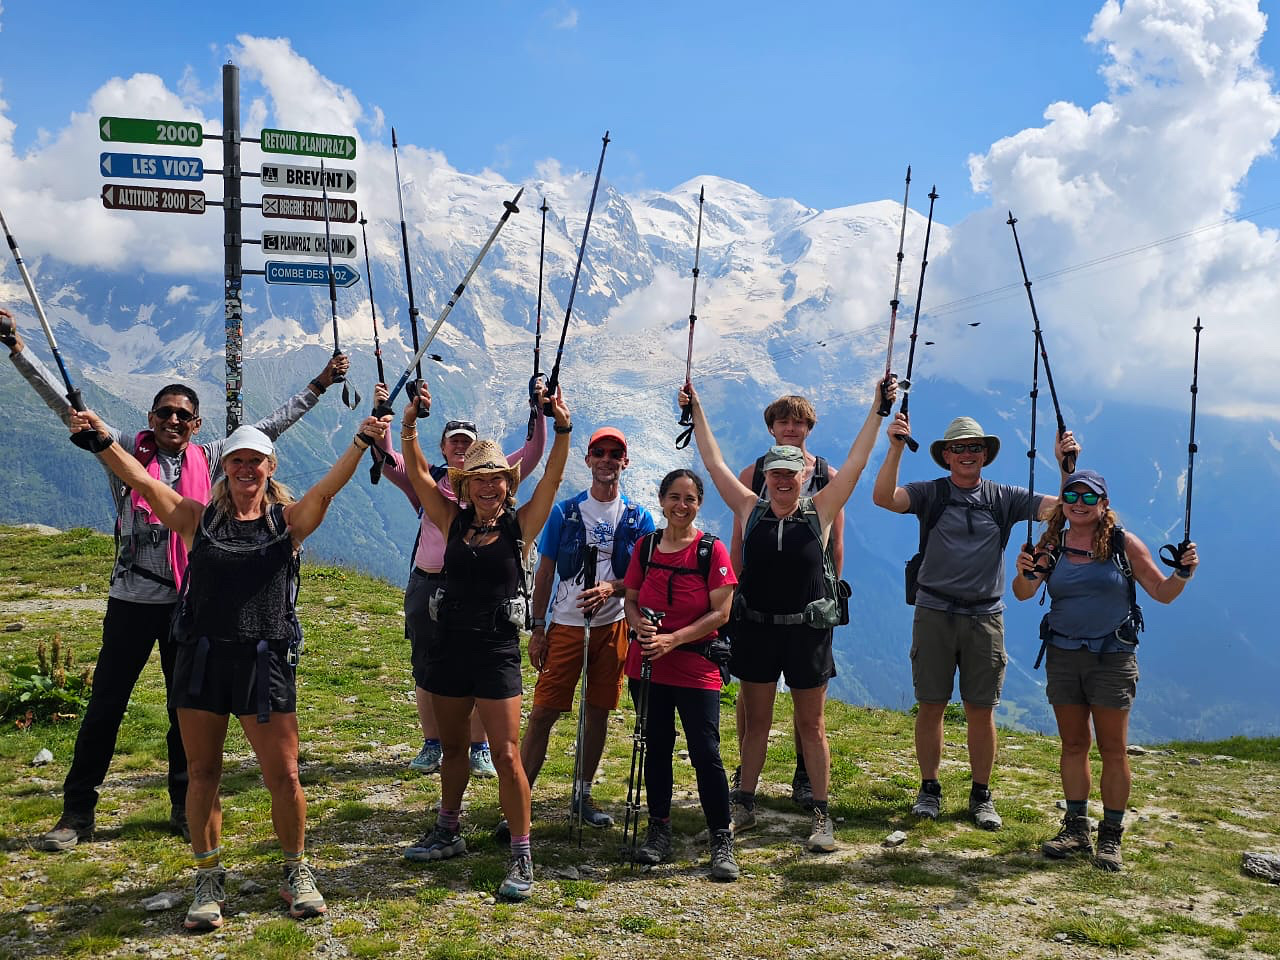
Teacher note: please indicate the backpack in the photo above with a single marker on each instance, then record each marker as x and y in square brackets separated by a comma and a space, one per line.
[573, 539]
[833, 609]
[1128, 631]
[718, 649]
[821, 475]
[941, 500]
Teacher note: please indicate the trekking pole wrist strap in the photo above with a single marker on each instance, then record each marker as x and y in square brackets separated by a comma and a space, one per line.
[317, 386]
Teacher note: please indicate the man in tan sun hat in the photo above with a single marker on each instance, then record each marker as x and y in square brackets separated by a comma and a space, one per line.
[965, 522]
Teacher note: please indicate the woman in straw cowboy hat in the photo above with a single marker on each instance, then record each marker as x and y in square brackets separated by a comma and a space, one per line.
[474, 657]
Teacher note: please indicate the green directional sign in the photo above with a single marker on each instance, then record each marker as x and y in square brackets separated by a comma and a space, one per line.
[138, 130]
[330, 145]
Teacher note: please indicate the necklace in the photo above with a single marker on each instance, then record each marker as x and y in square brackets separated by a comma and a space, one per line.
[486, 526]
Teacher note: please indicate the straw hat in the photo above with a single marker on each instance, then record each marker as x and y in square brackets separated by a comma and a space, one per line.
[483, 457]
[964, 428]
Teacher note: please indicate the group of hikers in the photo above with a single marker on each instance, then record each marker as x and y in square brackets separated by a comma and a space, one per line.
[207, 568]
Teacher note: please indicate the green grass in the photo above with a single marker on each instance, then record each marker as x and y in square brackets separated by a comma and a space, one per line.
[364, 805]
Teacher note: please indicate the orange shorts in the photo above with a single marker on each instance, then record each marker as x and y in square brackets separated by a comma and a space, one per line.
[559, 679]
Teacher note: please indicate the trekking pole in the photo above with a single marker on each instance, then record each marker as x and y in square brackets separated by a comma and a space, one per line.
[905, 385]
[404, 247]
[1174, 559]
[1068, 459]
[886, 405]
[350, 397]
[589, 562]
[509, 207]
[375, 468]
[537, 332]
[686, 412]
[554, 380]
[635, 782]
[87, 439]
[1031, 456]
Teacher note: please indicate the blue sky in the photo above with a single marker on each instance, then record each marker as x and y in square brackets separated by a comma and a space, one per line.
[825, 104]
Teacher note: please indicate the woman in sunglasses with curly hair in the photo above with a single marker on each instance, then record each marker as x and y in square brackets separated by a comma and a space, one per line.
[427, 573]
[1090, 637]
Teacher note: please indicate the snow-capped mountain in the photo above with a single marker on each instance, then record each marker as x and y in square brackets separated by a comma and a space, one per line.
[772, 319]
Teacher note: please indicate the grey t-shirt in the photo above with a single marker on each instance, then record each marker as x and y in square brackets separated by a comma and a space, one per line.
[142, 544]
[965, 554]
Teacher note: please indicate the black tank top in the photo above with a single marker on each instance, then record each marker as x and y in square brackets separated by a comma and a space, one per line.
[238, 578]
[481, 577]
[781, 580]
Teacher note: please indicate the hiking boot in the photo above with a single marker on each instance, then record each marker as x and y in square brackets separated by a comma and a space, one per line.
[984, 813]
[206, 906]
[1073, 838]
[1108, 856]
[438, 844]
[657, 843]
[928, 806]
[823, 837]
[723, 865]
[66, 833]
[741, 817]
[592, 815]
[519, 882]
[802, 790]
[178, 822]
[482, 763]
[301, 893]
[428, 758]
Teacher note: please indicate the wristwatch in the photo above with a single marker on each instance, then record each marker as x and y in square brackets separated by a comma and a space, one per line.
[539, 623]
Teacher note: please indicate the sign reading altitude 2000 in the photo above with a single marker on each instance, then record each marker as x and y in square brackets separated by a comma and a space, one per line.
[138, 130]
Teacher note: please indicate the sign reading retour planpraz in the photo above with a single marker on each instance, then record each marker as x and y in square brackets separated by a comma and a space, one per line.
[330, 145]
[117, 196]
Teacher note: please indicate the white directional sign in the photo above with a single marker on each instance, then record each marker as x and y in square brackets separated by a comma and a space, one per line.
[287, 207]
[308, 178]
[307, 244]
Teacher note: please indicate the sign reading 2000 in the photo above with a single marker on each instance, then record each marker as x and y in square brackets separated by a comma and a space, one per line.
[138, 130]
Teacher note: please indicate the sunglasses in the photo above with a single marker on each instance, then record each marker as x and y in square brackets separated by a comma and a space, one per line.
[613, 453]
[967, 447]
[459, 425]
[164, 413]
[1089, 497]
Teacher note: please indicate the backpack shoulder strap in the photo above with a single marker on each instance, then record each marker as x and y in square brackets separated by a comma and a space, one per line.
[756, 513]
[757, 477]
[821, 473]
[437, 472]
[706, 546]
[941, 493]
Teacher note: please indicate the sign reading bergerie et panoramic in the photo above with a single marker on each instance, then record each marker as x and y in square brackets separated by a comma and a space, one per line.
[304, 143]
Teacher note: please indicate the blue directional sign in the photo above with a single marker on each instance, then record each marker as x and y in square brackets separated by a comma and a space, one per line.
[146, 166]
[279, 271]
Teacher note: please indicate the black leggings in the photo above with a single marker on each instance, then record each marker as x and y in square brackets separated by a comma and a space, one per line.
[700, 718]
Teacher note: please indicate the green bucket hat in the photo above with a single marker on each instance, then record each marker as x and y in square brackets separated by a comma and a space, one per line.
[963, 428]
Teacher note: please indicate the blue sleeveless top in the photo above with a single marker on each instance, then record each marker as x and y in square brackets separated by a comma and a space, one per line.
[1089, 602]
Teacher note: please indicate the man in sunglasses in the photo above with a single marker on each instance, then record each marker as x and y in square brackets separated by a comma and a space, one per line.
[144, 582]
[605, 518]
[965, 523]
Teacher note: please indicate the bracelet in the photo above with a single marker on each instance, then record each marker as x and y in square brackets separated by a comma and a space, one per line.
[318, 386]
[360, 442]
[565, 429]
[409, 436]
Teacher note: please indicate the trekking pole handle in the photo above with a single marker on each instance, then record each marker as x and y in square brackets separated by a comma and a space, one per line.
[886, 405]
[424, 408]
[1174, 556]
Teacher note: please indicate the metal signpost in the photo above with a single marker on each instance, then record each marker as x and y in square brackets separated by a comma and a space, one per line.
[186, 133]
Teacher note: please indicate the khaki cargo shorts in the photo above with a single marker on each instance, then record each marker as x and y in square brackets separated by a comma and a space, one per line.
[943, 642]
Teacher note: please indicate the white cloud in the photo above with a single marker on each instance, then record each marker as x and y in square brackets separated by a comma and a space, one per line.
[179, 294]
[1189, 110]
[568, 20]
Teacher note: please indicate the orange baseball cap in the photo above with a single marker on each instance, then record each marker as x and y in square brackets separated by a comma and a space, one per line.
[608, 433]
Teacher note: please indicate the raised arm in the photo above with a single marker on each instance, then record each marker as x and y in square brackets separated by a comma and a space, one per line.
[180, 514]
[1063, 445]
[886, 492]
[435, 504]
[292, 410]
[737, 496]
[1162, 589]
[306, 514]
[534, 513]
[830, 500]
[529, 455]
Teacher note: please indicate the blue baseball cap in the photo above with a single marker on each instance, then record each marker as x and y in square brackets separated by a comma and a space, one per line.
[1091, 479]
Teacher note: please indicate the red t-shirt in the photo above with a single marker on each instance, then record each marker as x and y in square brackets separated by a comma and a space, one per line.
[690, 600]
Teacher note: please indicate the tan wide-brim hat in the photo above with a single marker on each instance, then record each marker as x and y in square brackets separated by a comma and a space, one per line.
[483, 457]
[963, 428]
